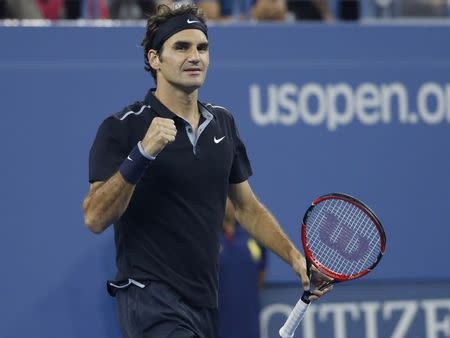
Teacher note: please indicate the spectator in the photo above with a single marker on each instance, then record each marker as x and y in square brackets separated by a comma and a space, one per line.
[95, 9]
[324, 10]
[3, 9]
[51, 9]
[235, 9]
[405, 8]
[141, 9]
[211, 8]
[270, 10]
[423, 8]
[241, 277]
[73, 9]
[22, 9]
[131, 9]
[348, 10]
[310, 9]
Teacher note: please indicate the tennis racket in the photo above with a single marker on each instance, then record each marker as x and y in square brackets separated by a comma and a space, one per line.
[343, 239]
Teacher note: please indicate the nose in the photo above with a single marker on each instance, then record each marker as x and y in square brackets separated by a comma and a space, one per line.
[194, 56]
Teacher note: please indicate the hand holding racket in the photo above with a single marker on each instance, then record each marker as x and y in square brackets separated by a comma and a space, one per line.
[343, 240]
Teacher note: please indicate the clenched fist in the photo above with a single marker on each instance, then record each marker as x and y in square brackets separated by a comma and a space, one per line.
[160, 133]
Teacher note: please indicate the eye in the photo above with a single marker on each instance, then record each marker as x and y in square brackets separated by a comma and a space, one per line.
[202, 48]
[181, 46]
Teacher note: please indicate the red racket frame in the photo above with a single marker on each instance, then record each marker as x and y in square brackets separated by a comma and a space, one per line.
[364, 208]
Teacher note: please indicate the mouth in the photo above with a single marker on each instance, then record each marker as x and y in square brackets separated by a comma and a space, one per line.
[193, 71]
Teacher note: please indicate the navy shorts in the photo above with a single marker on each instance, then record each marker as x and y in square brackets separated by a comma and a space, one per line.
[158, 311]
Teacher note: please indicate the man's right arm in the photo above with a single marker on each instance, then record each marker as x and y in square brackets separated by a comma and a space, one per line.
[106, 202]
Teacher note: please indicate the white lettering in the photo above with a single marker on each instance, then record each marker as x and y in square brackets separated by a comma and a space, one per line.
[426, 91]
[256, 107]
[338, 311]
[336, 118]
[285, 92]
[409, 310]
[370, 310]
[312, 90]
[367, 103]
[447, 92]
[388, 92]
[402, 315]
[338, 105]
[433, 325]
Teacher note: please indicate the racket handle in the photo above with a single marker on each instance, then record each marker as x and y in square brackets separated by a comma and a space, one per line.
[295, 317]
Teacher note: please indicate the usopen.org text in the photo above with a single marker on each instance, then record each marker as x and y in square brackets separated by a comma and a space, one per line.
[336, 105]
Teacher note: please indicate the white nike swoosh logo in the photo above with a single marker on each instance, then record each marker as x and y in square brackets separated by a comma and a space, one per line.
[129, 158]
[218, 140]
[191, 21]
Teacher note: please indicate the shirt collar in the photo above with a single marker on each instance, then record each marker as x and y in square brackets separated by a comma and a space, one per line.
[163, 111]
[157, 106]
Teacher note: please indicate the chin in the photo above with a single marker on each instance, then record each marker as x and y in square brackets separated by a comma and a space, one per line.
[191, 85]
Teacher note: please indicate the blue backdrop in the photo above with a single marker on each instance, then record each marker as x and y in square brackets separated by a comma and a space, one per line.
[358, 109]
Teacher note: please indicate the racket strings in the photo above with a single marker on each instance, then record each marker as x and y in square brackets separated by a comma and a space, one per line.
[342, 237]
[357, 220]
[356, 223]
[363, 225]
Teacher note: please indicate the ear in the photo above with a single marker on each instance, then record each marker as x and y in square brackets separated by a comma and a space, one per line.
[153, 59]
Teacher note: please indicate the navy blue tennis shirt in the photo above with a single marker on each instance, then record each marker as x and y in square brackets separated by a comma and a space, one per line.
[242, 259]
[170, 231]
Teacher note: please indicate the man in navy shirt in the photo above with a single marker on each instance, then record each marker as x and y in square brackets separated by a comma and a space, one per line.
[160, 171]
[242, 265]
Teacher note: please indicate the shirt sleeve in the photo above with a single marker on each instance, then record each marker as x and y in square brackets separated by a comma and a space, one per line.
[241, 169]
[108, 150]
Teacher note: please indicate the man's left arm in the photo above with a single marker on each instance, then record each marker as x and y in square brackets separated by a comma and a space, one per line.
[262, 226]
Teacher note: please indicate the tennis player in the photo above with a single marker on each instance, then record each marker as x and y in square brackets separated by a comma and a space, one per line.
[160, 171]
[242, 266]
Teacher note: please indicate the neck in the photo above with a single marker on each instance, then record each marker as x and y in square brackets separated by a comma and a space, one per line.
[182, 103]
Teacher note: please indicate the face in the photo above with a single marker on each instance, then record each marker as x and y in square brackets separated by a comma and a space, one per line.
[184, 60]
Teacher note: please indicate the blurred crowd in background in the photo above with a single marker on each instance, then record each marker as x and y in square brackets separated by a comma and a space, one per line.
[231, 10]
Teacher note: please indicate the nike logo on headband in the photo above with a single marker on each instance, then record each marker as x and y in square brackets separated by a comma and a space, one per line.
[191, 21]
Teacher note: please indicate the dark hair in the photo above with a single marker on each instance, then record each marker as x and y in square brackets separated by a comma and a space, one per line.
[162, 14]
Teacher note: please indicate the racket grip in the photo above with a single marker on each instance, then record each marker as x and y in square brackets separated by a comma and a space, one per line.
[295, 317]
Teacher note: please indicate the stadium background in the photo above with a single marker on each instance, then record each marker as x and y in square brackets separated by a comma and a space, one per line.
[287, 86]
